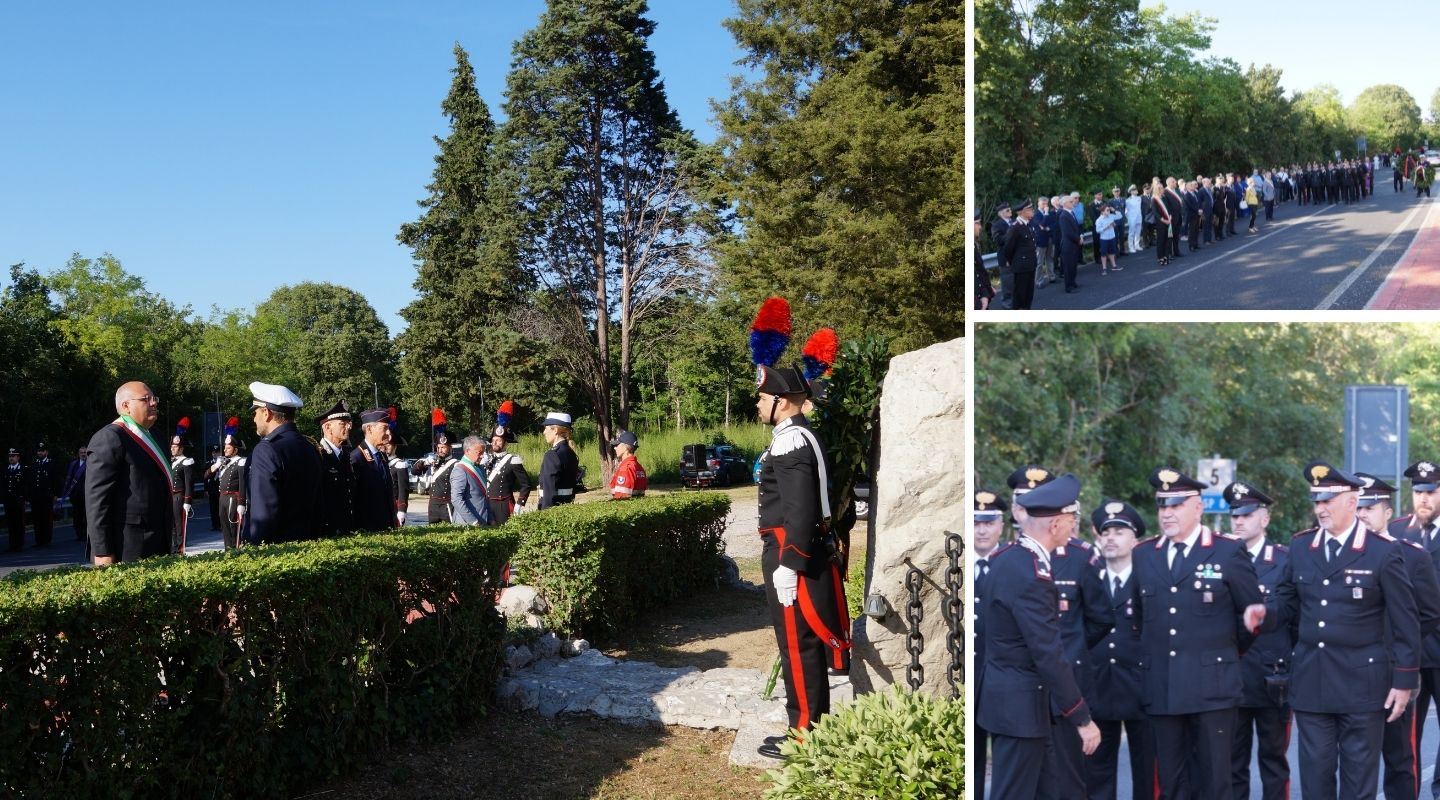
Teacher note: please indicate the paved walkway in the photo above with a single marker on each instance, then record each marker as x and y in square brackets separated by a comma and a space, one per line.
[1414, 283]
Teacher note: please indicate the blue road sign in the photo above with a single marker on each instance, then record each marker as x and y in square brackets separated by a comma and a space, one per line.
[1215, 504]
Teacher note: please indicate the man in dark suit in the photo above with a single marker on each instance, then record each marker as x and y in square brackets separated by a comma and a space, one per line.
[1023, 651]
[989, 527]
[283, 472]
[74, 488]
[1193, 207]
[1232, 204]
[17, 483]
[44, 487]
[337, 474]
[1113, 684]
[127, 483]
[999, 229]
[1264, 715]
[1085, 619]
[374, 489]
[1207, 208]
[1420, 526]
[1400, 747]
[1357, 654]
[1070, 244]
[1020, 253]
[1194, 586]
[1176, 206]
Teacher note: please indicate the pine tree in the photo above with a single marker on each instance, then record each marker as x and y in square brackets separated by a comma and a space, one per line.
[467, 276]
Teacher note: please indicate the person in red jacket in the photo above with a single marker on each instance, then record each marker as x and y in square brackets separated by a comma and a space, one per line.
[629, 479]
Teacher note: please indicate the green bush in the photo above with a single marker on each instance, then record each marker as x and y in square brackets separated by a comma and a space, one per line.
[884, 746]
[601, 564]
[243, 674]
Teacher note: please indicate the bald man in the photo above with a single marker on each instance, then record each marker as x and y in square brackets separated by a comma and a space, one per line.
[127, 483]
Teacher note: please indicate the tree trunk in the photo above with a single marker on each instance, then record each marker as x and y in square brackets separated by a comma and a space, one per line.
[602, 306]
[625, 321]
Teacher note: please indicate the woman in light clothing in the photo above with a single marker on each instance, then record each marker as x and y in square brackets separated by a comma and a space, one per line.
[1134, 219]
[1105, 229]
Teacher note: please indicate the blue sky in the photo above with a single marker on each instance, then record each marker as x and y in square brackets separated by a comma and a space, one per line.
[220, 150]
[1351, 45]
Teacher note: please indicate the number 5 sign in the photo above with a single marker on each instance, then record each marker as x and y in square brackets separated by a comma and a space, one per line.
[1217, 472]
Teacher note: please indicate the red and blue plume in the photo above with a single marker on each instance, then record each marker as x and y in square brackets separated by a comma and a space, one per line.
[819, 353]
[232, 426]
[394, 415]
[182, 426]
[770, 332]
[437, 422]
[502, 417]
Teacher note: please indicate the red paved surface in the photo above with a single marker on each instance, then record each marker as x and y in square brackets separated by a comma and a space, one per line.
[1414, 283]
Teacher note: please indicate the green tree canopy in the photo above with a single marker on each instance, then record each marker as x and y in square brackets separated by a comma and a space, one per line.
[1388, 117]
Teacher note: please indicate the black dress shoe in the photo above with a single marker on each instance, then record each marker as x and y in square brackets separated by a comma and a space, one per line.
[775, 740]
[770, 751]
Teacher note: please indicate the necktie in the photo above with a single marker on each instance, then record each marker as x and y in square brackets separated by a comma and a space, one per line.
[984, 566]
[1116, 591]
[1177, 565]
[1332, 548]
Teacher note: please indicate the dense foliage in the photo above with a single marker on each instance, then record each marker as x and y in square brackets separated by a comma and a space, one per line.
[895, 745]
[601, 564]
[1075, 95]
[1111, 402]
[246, 674]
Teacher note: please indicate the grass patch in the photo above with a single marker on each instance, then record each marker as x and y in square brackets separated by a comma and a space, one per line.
[659, 450]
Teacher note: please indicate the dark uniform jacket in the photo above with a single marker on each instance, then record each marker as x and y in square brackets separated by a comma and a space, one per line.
[1408, 529]
[1269, 654]
[1070, 234]
[374, 490]
[1174, 205]
[1115, 664]
[127, 496]
[1024, 675]
[440, 480]
[1192, 627]
[283, 498]
[1343, 665]
[45, 478]
[507, 476]
[1019, 250]
[337, 491]
[790, 499]
[230, 479]
[16, 482]
[182, 474]
[1084, 606]
[559, 471]
[1425, 583]
[999, 229]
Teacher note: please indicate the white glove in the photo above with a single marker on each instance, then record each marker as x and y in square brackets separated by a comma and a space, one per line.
[240, 511]
[786, 582]
[400, 518]
[186, 506]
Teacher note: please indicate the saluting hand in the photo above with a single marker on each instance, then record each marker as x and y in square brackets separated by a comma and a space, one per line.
[1089, 737]
[1396, 702]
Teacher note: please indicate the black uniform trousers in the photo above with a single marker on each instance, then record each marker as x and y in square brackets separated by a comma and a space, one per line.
[15, 520]
[1269, 729]
[1013, 767]
[42, 513]
[1192, 233]
[212, 495]
[1350, 740]
[1193, 752]
[500, 510]
[1398, 180]
[1024, 295]
[805, 656]
[1401, 775]
[1102, 765]
[439, 510]
[1062, 777]
[980, 744]
[229, 519]
[77, 516]
[1429, 687]
[179, 521]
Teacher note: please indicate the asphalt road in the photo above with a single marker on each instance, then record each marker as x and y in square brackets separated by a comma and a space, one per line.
[1308, 257]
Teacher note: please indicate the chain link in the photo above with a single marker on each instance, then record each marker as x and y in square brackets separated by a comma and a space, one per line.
[954, 610]
[915, 643]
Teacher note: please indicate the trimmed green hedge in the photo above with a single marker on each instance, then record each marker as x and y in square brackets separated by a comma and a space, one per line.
[243, 674]
[262, 671]
[599, 569]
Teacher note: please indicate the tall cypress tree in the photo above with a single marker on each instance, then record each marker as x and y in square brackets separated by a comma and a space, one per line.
[467, 275]
[596, 163]
[846, 152]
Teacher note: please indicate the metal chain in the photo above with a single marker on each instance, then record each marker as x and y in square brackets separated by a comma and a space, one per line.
[954, 609]
[915, 643]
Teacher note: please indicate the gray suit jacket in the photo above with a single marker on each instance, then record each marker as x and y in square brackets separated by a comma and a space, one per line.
[467, 498]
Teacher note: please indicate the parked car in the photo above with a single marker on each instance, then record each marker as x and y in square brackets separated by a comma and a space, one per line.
[712, 465]
[1432, 158]
[862, 498]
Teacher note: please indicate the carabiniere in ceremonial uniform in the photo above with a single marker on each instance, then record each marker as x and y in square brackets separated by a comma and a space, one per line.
[1419, 526]
[182, 478]
[505, 471]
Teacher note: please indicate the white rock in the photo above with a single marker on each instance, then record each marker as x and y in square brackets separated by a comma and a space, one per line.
[517, 657]
[575, 647]
[918, 494]
[547, 646]
[516, 601]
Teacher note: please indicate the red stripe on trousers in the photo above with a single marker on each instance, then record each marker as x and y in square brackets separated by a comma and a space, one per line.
[797, 669]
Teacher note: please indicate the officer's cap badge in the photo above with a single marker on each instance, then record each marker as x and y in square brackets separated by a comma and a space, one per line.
[984, 499]
[1241, 490]
[1318, 472]
[1036, 474]
[1367, 481]
[1167, 477]
[1425, 467]
[1113, 509]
